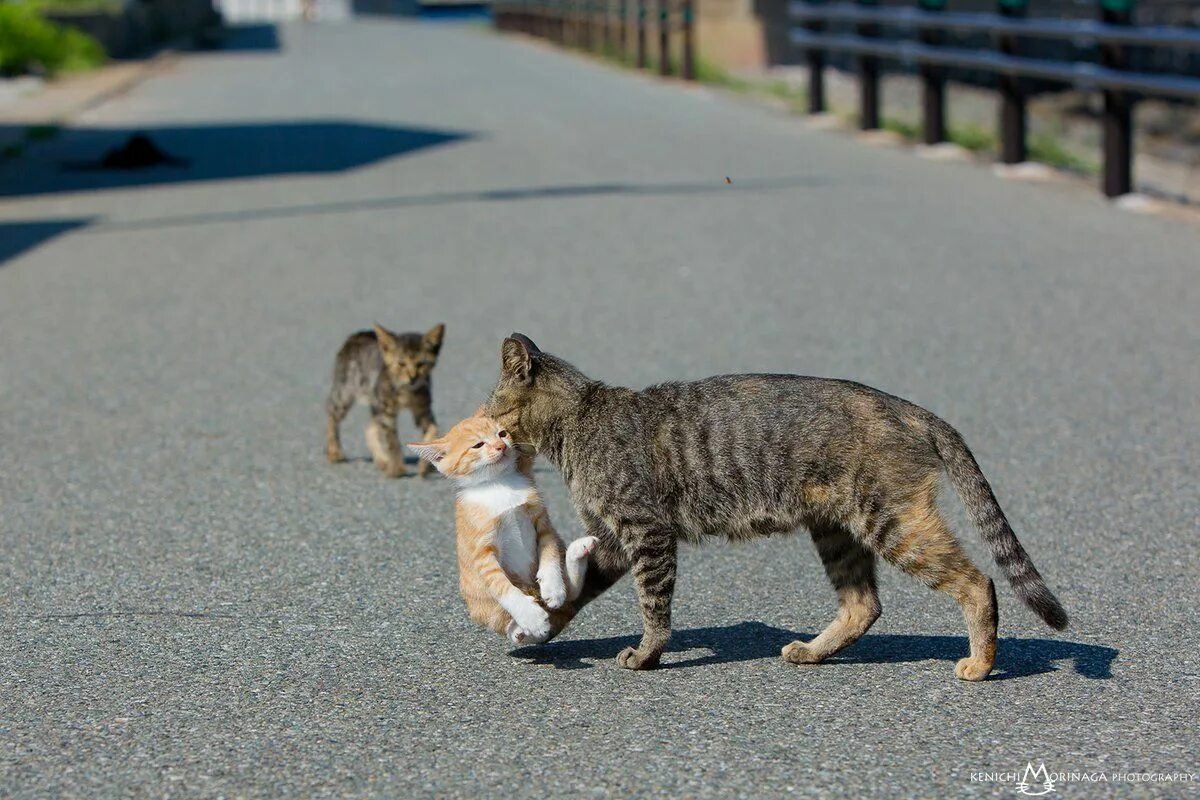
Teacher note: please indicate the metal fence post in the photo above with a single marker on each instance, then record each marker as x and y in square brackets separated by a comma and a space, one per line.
[933, 84]
[815, 58]
[641, 33]
[664, 37]
[688, 10]
[1012, 95]
[1118, 106]
[868, 78]
[622, 27]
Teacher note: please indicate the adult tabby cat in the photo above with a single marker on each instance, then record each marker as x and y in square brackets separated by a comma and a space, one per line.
[743, 456]
[387, 371]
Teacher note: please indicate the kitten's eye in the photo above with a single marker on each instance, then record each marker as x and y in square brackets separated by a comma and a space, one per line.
[477, 445]
[503, 434]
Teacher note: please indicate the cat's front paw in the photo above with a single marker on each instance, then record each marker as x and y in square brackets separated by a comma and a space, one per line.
[633, 658]
[581, 548]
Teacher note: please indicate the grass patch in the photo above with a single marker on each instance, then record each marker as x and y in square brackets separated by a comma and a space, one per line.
[1048, 149]
[909, 130]
[975, 138]
[76, 6]
[30, 43]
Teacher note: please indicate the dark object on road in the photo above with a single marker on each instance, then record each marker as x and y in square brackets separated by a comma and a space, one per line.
[138, 152]
[386, 371]
[746, 456]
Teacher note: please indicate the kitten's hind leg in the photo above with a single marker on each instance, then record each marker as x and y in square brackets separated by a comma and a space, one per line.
[336, 408]
[385, 444]
[922, 545]
[851, 570]
[577, 564]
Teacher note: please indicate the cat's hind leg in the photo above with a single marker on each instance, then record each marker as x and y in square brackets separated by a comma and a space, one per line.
[385, 444]
[851, 570]
[336, 407]
[576, 563]
[922, 545]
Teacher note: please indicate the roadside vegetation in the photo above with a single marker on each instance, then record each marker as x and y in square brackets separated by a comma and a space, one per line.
[29, 43]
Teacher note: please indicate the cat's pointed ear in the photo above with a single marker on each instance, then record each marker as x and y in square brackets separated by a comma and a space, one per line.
[385, 338]
[433, 452]
[433, 339]
[516, 357]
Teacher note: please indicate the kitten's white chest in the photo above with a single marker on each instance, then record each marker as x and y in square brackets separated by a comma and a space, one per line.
[516, 539]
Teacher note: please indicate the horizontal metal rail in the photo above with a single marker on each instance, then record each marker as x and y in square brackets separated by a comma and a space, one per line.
[1081, 74]
[1074, 31]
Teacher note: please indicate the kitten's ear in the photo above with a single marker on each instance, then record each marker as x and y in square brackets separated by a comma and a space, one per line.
[433, 339]
[386, 340]
[433, 452]
[516, 358]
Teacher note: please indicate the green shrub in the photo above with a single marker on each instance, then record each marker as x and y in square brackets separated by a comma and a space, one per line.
[28, 42]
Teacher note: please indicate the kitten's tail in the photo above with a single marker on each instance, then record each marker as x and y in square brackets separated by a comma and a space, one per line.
[985, 512]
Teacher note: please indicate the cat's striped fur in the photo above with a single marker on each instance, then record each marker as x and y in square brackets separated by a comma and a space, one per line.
[742, 456]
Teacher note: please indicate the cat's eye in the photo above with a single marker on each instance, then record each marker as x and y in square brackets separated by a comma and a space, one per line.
[477, 445]
[503, 434]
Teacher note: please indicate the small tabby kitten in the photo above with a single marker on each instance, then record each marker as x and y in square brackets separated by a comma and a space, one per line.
[506, 544]
[387, 371]
[743, 456]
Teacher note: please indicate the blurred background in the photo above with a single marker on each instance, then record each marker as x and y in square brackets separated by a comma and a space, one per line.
[985, 209]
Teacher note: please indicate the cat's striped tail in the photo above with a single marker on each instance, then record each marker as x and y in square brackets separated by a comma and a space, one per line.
[985, 512]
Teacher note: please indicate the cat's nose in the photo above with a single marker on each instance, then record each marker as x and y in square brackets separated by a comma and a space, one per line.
[500, 446]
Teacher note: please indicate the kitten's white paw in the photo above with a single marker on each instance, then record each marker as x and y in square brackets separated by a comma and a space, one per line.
[532, 639]
[581, 548]
[534, 620]
[553, 591]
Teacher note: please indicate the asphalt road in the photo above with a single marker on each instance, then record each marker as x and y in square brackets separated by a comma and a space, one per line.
[194, 604]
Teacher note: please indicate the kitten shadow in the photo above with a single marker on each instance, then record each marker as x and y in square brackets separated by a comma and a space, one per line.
[409, 461]
[751, 641]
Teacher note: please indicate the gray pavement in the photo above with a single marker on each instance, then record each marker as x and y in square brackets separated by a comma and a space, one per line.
[194, 604]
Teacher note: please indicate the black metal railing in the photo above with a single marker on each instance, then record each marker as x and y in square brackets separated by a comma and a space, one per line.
[609, 25]
[919, 36]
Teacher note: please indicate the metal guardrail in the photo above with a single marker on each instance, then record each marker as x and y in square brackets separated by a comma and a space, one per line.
[921, 41]
[606, 25]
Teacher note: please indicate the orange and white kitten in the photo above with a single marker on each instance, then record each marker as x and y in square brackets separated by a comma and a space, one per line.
[506, 544]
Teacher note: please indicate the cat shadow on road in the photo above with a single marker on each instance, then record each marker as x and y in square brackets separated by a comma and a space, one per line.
[750, 641]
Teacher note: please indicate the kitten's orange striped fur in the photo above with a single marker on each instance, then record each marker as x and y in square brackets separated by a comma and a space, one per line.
[513, 572]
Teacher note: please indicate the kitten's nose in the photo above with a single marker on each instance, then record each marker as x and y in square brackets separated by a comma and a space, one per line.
[500, 446]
